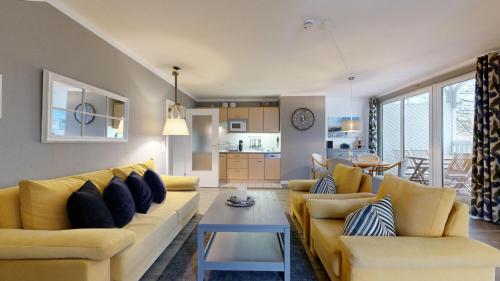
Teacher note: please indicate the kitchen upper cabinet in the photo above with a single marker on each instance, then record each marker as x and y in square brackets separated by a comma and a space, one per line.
[271, 119]
[222, 114]
[256, 120]
[237, 113]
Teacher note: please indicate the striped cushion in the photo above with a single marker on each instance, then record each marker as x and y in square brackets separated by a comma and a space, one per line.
[325, 185]
[373, 220]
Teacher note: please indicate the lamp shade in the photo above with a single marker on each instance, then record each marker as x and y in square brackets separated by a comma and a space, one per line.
[350, 126]
[175, 127]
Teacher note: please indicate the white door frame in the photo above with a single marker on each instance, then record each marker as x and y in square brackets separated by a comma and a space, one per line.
[207, 178]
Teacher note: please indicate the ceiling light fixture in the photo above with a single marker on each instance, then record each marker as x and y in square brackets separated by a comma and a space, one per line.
[175, 125]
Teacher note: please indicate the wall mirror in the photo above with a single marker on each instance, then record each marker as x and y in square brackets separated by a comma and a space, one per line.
[77, 112]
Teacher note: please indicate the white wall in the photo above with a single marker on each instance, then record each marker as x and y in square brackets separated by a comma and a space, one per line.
[340, 107]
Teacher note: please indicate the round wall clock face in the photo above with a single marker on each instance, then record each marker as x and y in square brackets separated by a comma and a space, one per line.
[302, 119]
[86, 118]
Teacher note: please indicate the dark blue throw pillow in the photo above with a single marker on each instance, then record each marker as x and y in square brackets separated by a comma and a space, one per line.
[158, 189]
[87, 209]
[140, 191]
[119, 201]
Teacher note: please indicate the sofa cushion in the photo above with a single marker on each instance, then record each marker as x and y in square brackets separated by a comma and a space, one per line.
[140, 191]
[180, 183]
[347, 179]
[87, 209]
[119, 201]
[336, 209]
[10, 209]
[156, 184]
[418, 252]
[153, 233]
[375, 219]
[43, 202]
[326, 233]
[140, 168]
[324, 185]
[99, 178]
[419, 210]
[96, 244]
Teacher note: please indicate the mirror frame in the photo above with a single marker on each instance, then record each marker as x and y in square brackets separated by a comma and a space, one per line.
[47, 137]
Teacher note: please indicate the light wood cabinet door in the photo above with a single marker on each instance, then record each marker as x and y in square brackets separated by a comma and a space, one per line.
[237, 174]
[271, 119]
[237, 156]
[237, 113]
[237, 163]
[256, 120]
[222, 114]
[256, 169]
[222, 167]
[272, 169]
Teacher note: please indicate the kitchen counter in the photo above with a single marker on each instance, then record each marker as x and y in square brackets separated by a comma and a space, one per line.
[250, 151]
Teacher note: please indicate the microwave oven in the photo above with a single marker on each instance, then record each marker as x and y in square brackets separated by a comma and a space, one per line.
[237, 125]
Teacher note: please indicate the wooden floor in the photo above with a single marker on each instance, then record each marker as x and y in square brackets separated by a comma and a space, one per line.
[480, 230]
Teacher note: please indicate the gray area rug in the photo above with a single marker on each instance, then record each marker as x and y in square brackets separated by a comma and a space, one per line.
[179, 261]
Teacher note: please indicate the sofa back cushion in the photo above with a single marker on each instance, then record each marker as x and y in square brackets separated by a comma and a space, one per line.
[419, 210]
[347, 179]
[139, 168]
[10, 212]
[43, 202]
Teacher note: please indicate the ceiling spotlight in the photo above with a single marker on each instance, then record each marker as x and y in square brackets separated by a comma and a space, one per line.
[308, 24]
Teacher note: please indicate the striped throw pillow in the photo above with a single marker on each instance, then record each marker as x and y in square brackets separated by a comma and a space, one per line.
[375, 219]
[325, 185]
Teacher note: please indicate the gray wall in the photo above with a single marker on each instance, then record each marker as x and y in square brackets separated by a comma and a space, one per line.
[35, 36]
[297, 146]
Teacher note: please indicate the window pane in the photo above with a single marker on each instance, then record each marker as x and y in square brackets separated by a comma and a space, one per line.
[416, 137]
[458, 120]
[391, 135]
[65, 96]
[64, 123]
[202, 142]
[95, 102]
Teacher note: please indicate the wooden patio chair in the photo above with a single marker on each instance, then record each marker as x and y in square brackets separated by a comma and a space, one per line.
[459, 170]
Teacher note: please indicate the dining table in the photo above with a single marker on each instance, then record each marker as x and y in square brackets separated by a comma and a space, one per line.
[374, 167]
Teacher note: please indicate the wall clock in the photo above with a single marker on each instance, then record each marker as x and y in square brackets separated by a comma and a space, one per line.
[303, 119]
[87, 118]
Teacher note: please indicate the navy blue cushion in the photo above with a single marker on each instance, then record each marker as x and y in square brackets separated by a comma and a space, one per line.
[140, 191]
[158, 189]
[119, 201]
[87, 209]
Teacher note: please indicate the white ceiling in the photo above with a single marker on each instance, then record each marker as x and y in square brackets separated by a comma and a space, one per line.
[256, 48]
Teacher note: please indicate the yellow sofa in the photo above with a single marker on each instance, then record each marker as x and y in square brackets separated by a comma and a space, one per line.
[37, 244]
[441, 251]
[349, 181]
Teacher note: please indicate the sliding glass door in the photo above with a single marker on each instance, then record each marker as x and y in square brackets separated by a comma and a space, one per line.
[430, 130]
[457, 128]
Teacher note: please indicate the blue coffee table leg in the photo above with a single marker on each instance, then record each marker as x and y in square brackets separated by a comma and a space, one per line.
[201, 253]
[287, 254]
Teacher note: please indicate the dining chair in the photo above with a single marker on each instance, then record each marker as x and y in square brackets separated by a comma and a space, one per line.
[332, 162]
[319, 165]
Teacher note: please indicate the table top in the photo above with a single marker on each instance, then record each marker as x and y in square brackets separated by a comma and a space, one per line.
[371, 164]
[266, 212]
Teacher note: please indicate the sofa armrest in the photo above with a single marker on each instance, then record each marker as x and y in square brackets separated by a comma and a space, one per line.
[181, 183]
[300, 185]
[417, 252]
[336, 209]
[93, 244]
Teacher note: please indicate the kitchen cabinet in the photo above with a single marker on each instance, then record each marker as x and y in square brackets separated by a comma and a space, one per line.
[271, 119]
[222, 167]
[237, 163]
[256, 167]
[237, 113]
[237, 174]
[256, 120]
[222, 114]
[272, 167]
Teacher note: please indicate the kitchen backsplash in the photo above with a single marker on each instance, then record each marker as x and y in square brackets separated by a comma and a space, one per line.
[269, 142]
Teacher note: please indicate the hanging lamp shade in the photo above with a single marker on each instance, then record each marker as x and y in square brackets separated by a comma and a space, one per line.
[175, 125]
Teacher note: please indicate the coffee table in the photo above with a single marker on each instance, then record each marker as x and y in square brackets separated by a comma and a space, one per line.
[255, 238]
